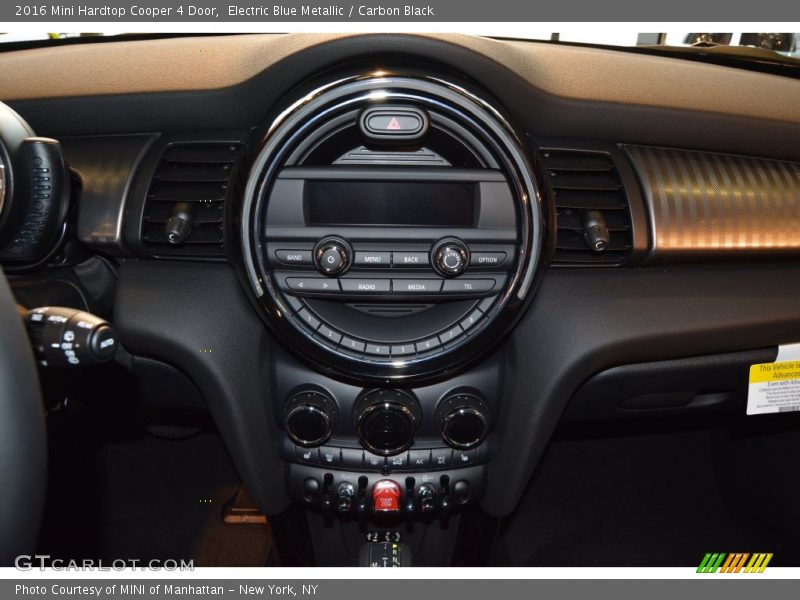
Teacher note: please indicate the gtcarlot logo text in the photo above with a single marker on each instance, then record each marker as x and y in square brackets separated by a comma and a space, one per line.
[27, 562]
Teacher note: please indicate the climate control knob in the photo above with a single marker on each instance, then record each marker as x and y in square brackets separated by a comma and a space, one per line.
[310, 417]
[463, 419]
[333, 256]
[450, 257]
[386, 420]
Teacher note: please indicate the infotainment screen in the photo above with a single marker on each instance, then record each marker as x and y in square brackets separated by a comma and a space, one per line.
[391, 203]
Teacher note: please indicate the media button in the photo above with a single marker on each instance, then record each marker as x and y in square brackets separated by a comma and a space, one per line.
[410, 259]
[416, 286]
[366, 286]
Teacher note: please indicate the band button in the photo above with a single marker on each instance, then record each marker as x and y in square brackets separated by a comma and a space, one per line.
[295, 257]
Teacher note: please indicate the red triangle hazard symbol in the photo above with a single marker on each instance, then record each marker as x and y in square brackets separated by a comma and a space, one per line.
[393, 124]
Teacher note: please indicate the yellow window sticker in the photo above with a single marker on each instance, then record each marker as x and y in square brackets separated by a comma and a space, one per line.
[775, 387]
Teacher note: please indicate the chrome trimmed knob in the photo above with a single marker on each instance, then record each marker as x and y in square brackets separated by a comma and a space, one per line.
[333, 256]
[450, 257]
[310, 418]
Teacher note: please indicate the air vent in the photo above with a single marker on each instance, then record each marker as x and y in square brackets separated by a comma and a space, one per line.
[193, 181]
[582, 182]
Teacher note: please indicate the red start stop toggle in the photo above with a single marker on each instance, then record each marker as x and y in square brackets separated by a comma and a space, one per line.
[386, 496]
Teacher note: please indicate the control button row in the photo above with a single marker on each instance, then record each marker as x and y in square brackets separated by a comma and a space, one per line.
[404, 350]
[413, 460]
[316, 285]
[384, 259]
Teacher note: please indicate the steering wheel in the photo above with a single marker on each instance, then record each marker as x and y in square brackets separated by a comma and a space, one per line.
[23, 445]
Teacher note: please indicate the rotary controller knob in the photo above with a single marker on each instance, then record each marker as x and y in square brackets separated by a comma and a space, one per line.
[450, 257]
[464, 421]
[310, 417]
[333, 256]
[386, 420]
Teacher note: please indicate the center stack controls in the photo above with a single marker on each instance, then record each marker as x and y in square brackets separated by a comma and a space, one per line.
[391, 229]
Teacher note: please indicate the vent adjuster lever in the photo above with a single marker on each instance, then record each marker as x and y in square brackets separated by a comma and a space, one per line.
[179, 224]
[595, 230]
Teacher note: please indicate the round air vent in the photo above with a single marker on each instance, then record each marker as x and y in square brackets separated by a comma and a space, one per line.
[391, 228]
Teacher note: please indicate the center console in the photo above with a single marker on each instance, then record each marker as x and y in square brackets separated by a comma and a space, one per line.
[391, 235]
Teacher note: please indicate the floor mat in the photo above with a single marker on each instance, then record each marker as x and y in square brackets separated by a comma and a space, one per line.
[654, 500]
[146, 498]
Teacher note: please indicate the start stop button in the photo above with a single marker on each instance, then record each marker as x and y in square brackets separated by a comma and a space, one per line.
[393, 123]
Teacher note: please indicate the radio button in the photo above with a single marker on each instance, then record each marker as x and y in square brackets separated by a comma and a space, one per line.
[312, 285]
[410, 259]
[416, 286]
[373, 259]
[429, 344]
[487, 259]
[302, 258]
[378, 349]
[468, 286]
[352, 345]
[366, 286]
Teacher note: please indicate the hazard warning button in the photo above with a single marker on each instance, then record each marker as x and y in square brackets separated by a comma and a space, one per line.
[393, 123]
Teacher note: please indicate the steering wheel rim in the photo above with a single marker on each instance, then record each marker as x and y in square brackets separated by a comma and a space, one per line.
[23, 440]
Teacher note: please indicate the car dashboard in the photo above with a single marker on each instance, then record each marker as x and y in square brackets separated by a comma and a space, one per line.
[390, 266]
